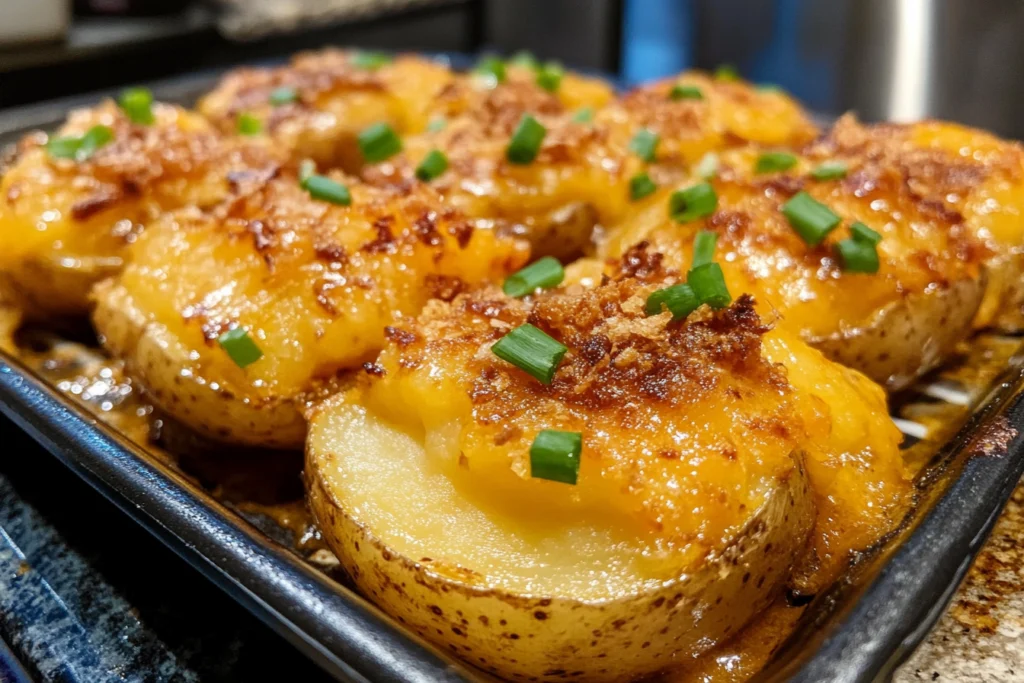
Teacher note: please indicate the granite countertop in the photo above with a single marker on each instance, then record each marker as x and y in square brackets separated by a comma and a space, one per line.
[87, 596]
[981, 636]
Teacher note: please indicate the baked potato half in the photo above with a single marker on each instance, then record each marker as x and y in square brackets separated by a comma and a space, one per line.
[303, 288]
[893, 313]
[317, 105]
[66, 222]
[694, 500]
[973, 177]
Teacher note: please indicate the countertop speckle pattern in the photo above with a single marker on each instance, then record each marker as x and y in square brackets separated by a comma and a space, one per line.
[980, 639]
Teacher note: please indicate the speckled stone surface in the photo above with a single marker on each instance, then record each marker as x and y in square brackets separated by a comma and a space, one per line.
[88, 596]
[981, 636]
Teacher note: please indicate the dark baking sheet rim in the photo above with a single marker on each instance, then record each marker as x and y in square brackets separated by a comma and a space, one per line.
[865, 633]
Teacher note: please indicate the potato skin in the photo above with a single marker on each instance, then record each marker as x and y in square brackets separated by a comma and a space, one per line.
[553, 638]
[162, 363]
[907, 337]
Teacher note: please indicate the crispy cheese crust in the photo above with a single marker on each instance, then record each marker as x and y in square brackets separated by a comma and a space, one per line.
[65, 224]
[314, 284]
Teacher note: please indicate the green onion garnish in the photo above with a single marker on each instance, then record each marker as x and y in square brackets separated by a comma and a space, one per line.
[727, 72]
[137, 103]
[283, 95]
[549, 76]
[379, 142]
[437, 124]
[680, 300]
[369, 60]
[240, 347]
[830, 170]
[685, 92]
[858, 256]
[708, 284]
[770, 162]
[532, 351]
[555, 456]
[863, 233]
[692, 203]
[645, 144]
[249, 124]
[707, 167]
[543, 273]
[811, 219]
[323, 188]
[704, 247]
[433, 165]
[491, 68]
[525, 59]
[81, 147]
[526, 141]
[584, 115]
[641, 186]
[770, 88]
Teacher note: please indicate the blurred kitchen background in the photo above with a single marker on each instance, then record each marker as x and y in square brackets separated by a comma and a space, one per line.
[886, 59]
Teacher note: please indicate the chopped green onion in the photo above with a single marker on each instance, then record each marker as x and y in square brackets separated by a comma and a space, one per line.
[526, 141]
[307, 167]
[685, 92]
[707, 167]
[645, 144]
[283, 95]
[708, 283]
[704, 247]
[770, 88]
[858, 256]
[555, 456]
[327, 190]
[680, 300]
[249, 124]
[379, 142]
[240, 347]
[727, 72]
[524, 58]
[584, 115]
[863, 233]
[437, 124]
[82, 147]
[532, 351]
[641, 186]
[365, 59]
[543, 273]
[491, 68]
[433, 165]
[692, 203]
[770, 162]
[830, 170]
[549, 76]
[811, 219]
[137, 103]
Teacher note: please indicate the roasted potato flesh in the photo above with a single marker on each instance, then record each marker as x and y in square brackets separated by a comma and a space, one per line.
[314, 284]
[893, 324]
[65, 224]
[692, 434]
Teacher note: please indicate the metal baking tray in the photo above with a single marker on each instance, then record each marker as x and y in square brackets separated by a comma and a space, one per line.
[963, 425]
